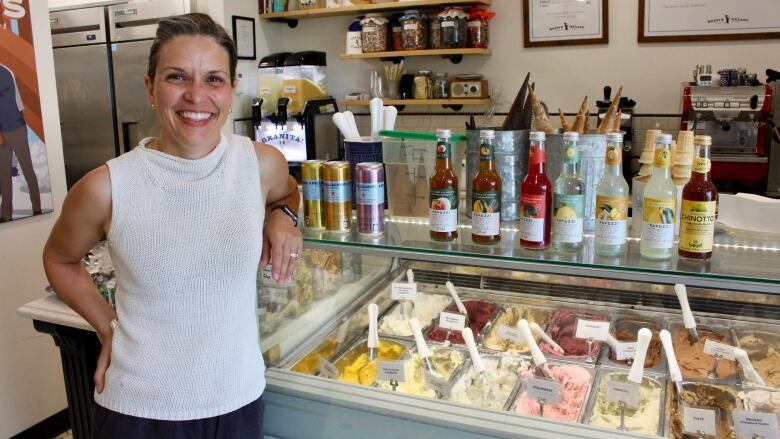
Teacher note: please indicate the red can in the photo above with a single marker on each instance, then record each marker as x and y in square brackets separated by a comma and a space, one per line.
[370, 197]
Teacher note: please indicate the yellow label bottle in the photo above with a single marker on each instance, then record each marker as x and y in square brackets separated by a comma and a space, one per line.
[660, 202]
[699, 204]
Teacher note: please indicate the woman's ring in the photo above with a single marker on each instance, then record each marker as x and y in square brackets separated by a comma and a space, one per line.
[294, 255]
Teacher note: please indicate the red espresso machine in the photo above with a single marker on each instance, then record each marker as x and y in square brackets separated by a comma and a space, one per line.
[736, 118]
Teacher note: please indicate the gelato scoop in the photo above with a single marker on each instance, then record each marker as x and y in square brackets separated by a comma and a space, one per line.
[494, 393]
[644, 419]
[764, 356]
[426, 308]
[626, 331]
[702, 395]
[445, 362]
[509, 317]
[480, 313]
[563, 327]
[694, 363]
[356, 368]
[575, 382]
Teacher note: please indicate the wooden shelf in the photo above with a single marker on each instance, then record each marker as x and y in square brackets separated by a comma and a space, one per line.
[403, 102]
[361, 9]
[426, 52]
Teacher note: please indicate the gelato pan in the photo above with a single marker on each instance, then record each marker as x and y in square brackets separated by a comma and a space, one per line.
[694, 363]
[644, 419]
[626, 331]
[426, 308]
[355, 367]
[445, 362]
[703, 395]
[310, 364]
[575, 383]
[494, 394]
[480, 313]
[764, 352]
[764, 401]
[509, 316]
[563, 327]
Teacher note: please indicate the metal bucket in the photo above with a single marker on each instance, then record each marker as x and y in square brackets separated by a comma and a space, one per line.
[593, 150]
[511, 155]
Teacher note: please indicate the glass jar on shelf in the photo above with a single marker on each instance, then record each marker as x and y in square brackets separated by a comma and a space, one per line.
[374, 33]
[477, 28]
[308, 4]
[453, 28]
[440, 89]
[434, 31]
[423, 85]
[415, 30]
[396, 34]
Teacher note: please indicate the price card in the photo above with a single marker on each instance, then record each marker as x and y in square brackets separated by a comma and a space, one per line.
[714, 348]
[625, 351]
[592, 329]
[698, 421]
[448, 320]
[547, 390]
[437, 383]
[390, 370]
[751, 424]
[511, 334]
[627, 393]
[403, 291]
[328, 369]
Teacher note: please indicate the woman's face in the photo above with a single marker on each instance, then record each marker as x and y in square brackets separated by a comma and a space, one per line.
[192, 93]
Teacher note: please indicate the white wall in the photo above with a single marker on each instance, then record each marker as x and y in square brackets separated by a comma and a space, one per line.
[31, 383]
[650, 73]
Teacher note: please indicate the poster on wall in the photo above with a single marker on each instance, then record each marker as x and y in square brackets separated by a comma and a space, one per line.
[565, 22]
[25, 189]
[707, 20]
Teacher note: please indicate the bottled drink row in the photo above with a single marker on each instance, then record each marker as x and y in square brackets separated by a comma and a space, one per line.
[550, 213]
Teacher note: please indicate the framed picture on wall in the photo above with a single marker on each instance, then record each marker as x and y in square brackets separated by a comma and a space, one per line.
[244, 36]
[707, 20]
[565, 22]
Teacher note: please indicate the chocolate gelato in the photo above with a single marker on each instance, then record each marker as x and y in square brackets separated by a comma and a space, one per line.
[694, 363]
[625, 334]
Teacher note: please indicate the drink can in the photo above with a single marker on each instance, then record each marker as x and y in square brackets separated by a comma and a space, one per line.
[311, 175]
[336, 191]
[370, 197]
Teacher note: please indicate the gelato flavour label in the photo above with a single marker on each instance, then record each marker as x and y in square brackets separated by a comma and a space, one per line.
[702, 165]
[437, 383]
[390, 370]
[546, 390]
[627, 393]
[698, 421]
[611, 220]
[511, 334]
[719, 349]
[592, 329]
[697, 225]
[449, 320]
[328, 369]
[568, 211]
[663, 158]
[485, 213]
[403, 291]
[614, 155]
[443, 150]
[658, 223]
[625, 351]
[531, 221]
[444, 210]
[750, 425]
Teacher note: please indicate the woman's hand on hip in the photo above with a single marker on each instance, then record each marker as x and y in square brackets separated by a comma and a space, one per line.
[282, 246]
[103, 361]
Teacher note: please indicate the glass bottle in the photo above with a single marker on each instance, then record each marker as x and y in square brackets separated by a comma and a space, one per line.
[699, 204]
[569, 198]
[612, 201]
[660, 202]
[443, 192]
[535, 198]
[486, 194]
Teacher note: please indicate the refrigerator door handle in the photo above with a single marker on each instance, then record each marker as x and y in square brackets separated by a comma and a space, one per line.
[126, 136]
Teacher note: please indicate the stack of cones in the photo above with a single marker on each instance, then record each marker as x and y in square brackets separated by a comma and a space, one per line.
[648, 154]
[682, 157]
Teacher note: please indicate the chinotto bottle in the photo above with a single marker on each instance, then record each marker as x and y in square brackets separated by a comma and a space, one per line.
[568, 198]
[612, 201]
[535, 198]
[699, 202]
[444, 192]
[486, 194]
[660, 199]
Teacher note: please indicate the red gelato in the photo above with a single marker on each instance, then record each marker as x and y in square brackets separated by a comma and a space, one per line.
[479, 312]
[563, 326]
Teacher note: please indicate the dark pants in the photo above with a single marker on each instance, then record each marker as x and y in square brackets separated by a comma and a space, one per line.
[16, 143]
[244, 423]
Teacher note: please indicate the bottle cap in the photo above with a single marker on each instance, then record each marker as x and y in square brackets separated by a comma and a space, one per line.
[487, 134]
[702, 140]
[615, 136]
[665, 139]
[571, 136]
[536, 135]
[444, 134]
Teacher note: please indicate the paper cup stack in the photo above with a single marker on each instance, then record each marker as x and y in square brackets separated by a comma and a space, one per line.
[648, 153]
[682, 157]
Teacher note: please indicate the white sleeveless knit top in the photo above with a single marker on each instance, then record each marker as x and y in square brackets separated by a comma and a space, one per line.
[185, 239]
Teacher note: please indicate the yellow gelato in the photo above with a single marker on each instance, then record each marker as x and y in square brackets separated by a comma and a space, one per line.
[445, 362]
[310, 364]
[357, 369]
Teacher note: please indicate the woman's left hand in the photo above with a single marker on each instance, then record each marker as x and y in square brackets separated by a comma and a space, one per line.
[282, 245]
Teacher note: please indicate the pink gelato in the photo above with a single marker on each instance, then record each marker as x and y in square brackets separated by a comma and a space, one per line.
[575, 382]
[563, 327]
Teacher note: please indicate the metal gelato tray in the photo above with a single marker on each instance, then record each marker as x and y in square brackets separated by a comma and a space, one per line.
[673, 427]
[466, 369]
[496, 324]
[456, 371]
[580, 311]
[634, 322]
[360, 347]
[716, 326]
[398, 305]
[762, 346]
[477, 336]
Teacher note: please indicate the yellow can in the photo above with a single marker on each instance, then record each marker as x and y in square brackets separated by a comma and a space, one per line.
[313, 215]
[337, 194]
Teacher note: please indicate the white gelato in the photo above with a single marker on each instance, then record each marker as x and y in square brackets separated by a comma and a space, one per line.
[494, 389]
[426, 308]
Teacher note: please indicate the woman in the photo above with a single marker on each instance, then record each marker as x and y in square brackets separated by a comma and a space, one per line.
[189, 216]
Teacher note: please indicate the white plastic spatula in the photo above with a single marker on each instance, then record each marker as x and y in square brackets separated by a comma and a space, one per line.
[350, 117]
[341, 122]
[456, 298]
[671, 358]
[538, 356]
[613, 343]
[642, 342]
[536, 329]
[688, 320]
[422, 347]
[375, 105]
[373, 336]
[747, 366]
[410, 276]
[389, 115]
[476, 360]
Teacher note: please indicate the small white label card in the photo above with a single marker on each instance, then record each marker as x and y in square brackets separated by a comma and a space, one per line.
[698, 421]
[437, 383]
[723, 350]
[511, 334]
[547, 390]
[403, 291]
[328, 369]
[625, 351]
[592, 329]
[448, 320]
[751, 424]
[627, 393]
[390, 370]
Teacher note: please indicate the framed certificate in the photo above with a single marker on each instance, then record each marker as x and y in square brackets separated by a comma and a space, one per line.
[565, 22]
[707, 20]
[244, 36]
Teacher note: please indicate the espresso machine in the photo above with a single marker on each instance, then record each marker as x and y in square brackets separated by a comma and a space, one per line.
[739, 121]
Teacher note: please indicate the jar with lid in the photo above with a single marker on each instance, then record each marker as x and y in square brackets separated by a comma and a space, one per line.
[308, 4]
[434, 31]
[423, 85]
[477, 28]
[374, 33]
[415, 30]
[396, 35]
[440, 90]
[453, 28]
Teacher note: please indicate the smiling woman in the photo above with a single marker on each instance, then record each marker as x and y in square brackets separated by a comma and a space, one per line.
[189, 216]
